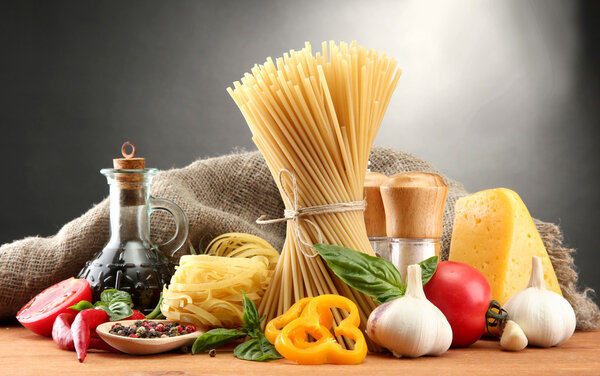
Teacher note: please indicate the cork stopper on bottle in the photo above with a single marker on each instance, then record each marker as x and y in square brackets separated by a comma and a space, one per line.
[129, 162]
[374, 212]
[130, 181]
[414, 205]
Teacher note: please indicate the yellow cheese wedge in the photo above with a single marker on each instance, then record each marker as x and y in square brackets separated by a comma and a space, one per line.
[494, 232]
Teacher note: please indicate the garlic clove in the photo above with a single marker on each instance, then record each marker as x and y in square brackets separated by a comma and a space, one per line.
[513, 338]
[546, 318]
[410, 326]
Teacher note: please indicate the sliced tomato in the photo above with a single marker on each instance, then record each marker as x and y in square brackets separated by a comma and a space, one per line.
[38, 315]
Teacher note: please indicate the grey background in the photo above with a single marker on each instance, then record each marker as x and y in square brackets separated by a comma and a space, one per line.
[494, 93]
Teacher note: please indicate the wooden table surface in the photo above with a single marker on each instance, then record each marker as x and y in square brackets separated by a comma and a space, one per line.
[24, 353]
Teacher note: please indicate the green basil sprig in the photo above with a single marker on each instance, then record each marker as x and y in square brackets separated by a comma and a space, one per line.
[117, 304]
[257, 348]
[373, 276]
[216, 338]
[251, 325]
[113, 295]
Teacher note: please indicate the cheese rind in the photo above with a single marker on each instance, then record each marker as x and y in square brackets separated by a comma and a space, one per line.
[494, 232]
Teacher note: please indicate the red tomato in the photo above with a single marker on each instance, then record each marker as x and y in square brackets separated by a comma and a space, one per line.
[38, 315]
[463, 295]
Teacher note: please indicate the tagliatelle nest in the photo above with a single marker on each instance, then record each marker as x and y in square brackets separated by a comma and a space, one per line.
[206, 289]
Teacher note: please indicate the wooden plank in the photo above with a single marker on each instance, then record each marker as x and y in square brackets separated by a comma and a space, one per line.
[24, 353]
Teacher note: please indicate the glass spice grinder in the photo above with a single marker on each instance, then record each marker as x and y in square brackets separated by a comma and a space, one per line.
[130, 261]
[414, 210]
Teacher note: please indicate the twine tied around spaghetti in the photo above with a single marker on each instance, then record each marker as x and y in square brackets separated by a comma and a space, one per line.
[298, 214]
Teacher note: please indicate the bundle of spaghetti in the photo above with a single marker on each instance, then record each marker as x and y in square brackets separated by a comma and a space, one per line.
[206, 289]
[314, 118]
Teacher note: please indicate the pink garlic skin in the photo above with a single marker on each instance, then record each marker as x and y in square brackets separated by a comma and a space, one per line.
[373, 321]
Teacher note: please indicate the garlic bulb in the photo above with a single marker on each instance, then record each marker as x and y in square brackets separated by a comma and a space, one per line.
[513, 338]
[411, 325]
[547, 319]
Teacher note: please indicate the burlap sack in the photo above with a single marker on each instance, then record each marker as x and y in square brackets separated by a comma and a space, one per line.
[221, 195]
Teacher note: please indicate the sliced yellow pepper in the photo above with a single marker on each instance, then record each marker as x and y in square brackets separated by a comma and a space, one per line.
[274, 326]
[316, 320]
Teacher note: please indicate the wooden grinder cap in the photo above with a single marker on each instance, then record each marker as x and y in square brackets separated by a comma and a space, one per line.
[129, 162]
[374, 212]
[414, 205]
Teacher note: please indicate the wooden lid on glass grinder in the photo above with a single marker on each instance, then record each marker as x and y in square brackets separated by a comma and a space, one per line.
[374, 212]
[414, 205]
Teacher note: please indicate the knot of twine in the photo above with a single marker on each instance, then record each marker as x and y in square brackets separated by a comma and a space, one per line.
[298, 214]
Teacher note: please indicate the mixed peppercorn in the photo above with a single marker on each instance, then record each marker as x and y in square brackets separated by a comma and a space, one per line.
[151, 329]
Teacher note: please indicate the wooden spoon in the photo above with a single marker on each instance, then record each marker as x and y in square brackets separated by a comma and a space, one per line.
[145, 346]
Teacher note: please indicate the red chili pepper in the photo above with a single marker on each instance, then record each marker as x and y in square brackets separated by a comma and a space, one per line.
[137, 315]
[98, 343]
[61, 331]
[86, 321]
[62, 335]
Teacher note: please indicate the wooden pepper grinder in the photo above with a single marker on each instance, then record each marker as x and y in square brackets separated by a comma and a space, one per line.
[414, 209]
[375, 214]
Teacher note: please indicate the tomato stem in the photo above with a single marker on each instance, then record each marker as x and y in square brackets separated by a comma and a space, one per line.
[495, 316]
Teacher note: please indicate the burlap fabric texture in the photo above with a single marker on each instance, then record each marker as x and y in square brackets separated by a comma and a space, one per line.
[219, 195]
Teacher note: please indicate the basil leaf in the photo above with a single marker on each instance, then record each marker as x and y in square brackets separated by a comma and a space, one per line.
[113, 295]
[100, 304]
[251, 319]
[215, 338]
[371, 275]
[428, 267]
[256, 349]
[118, 311]
[84, 304]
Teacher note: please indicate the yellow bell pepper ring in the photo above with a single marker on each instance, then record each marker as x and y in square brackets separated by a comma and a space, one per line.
[273, 328]
[292, 341]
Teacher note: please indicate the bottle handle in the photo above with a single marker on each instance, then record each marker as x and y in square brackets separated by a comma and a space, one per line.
[181, 224]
